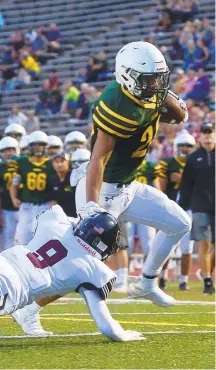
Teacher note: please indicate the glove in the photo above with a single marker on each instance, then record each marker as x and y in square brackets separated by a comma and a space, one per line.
[131, 335]
[92, 207]
[183, 105]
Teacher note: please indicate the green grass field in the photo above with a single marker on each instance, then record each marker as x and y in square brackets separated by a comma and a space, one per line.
[181, 337]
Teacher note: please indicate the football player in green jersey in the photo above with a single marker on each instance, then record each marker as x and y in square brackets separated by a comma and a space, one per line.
[32, 172]
[8, 150]
[170, 179]
[126, 119]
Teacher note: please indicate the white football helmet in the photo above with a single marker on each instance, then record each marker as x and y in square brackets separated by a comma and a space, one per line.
[24, 142]
[55, 141]
[38, 137]
[79, 156]
[8, 142]
[184, 144]
[75, 137]
[142, 70]
[15, 130]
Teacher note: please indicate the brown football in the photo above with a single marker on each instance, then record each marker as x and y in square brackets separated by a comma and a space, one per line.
[171, 111]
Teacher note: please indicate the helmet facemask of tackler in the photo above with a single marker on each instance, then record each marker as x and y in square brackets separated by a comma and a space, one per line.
[99, 234]
[142, 70]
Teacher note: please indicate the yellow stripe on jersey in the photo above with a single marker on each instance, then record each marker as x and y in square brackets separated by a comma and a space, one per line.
[107, 129]
[38, 164]
[163, 163]
[149, 105]
[108, 110]
[113, 123]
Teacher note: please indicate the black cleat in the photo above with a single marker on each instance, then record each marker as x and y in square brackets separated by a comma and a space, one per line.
[162, 283]
[183, 286]
[208, 286]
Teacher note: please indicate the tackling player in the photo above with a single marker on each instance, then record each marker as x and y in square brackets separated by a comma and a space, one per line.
[8, 150]
[32, 172]
[59, 260]
[126, 119]
[170, 179]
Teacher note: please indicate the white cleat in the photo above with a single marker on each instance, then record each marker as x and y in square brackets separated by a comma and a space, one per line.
[29, 320]
[149, 289]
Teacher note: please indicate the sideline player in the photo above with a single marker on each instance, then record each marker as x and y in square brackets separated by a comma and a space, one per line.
[73, 141]
[54, 146]
[15, 130]
[59, 261]
[8, 167]
[32, 172]
[170, 179]
[126, 119]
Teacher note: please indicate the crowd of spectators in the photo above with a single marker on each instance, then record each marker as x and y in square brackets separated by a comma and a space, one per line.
[25, 52]
[192, 51]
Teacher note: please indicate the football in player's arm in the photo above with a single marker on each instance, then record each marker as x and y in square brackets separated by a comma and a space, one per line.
[77, 265]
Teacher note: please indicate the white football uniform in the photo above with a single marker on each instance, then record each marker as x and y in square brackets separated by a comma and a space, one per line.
[53, 263]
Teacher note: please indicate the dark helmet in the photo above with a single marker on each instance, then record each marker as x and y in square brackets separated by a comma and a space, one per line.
[101, 232]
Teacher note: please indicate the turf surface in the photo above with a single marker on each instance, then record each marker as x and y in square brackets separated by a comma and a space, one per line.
[181, 337]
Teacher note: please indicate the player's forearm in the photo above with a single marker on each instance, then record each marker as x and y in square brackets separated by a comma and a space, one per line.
[13, 192]
[101, 315]
[94, 180]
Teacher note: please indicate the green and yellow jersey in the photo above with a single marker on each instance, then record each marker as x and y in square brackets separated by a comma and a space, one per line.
[168, 166]
[120, 114]
[33, 176]
[7, 171]
[148, 172]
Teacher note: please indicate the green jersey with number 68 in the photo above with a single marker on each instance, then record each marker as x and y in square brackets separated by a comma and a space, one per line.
[7, 171]
[133, 123]
[33, 176]
[148, 172]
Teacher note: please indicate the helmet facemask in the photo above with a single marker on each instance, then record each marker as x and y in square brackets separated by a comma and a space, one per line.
[148, 85]
[37, 153]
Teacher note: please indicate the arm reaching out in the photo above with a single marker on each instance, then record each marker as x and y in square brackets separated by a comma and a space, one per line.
[100, 156]
[104, 321]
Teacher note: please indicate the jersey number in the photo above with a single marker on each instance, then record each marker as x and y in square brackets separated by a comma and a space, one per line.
[147, 137]
[48, 255]
[8, 179]
[36, 181]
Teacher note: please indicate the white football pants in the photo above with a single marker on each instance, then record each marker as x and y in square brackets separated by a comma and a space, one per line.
[142, 204]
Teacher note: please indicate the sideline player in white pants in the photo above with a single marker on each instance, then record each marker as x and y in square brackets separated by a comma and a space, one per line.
[9, 152]
[58, 261]
[126, 119]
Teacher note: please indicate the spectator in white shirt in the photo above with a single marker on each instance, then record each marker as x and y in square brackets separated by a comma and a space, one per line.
[17, 116]
[31, 35]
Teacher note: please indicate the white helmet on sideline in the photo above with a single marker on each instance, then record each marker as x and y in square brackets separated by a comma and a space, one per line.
[184, 144]
[55, 141]
[74, 140]
[15, 130]
[79, 156]
[8, 142]
[38, 137]
[142, 70]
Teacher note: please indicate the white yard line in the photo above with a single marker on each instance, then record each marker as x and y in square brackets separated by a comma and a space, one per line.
[97, 333]
[129, 313]
[132, 300]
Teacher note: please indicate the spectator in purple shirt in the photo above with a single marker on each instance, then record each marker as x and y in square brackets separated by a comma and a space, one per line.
[201, 88]
[53, 36]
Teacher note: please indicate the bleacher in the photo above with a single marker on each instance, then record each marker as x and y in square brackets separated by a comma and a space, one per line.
[86, 28]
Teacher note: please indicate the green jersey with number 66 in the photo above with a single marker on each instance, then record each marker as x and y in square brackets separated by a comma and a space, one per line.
[7, 171]
[33, 176]
[133, 123]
